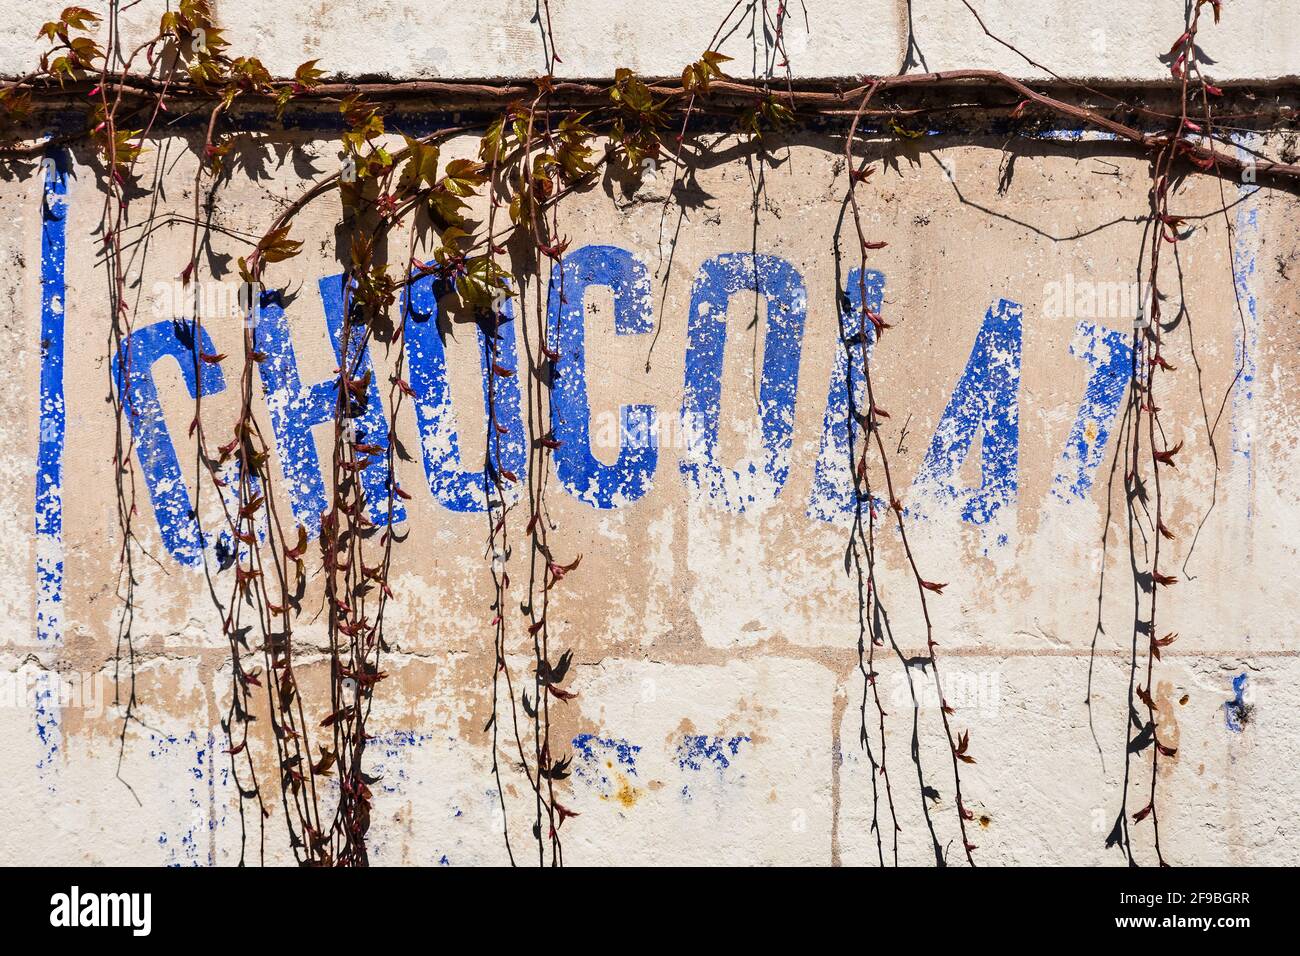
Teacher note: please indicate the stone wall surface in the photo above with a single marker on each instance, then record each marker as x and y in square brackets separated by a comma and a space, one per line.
[1104, 39]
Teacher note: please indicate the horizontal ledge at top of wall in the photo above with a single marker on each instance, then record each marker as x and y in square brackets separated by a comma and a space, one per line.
[961, 102]
[966, 87]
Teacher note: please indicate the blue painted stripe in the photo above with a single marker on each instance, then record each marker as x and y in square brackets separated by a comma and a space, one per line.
[1245, 251]
[53, 426]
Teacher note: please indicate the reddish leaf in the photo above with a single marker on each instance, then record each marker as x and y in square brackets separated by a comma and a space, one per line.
[555, 250]
[299, 549]
[1166, 457]
[340, 714]
[963, 742]
[1160, 360]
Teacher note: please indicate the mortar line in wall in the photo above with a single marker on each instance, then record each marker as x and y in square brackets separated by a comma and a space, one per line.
[715, 656]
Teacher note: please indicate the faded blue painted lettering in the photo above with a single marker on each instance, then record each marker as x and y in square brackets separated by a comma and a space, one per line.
[832, 497]
[133, 370]
[296, 410]
[780, 284]
[1109, 355]
[579, 471]
[985, 401]
[457, 487]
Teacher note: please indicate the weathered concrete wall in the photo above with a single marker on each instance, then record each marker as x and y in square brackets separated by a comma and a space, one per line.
[1106, 39]
[713, 622]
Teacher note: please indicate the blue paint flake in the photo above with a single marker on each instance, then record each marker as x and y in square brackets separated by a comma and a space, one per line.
[697, 750]
[1237, 712]
[391, 763]
[192, 846]
[599, 757]
[625, 753]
